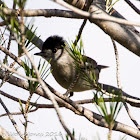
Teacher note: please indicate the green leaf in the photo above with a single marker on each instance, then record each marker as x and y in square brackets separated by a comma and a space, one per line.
[22, 108]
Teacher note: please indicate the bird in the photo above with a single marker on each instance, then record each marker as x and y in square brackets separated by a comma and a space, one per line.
[64, 68]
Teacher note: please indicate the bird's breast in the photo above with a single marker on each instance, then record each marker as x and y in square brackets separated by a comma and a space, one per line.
[63, 73]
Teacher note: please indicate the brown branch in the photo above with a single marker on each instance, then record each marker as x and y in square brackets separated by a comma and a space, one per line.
[85, 101]
[119, 84]
[18, 113]
[7, 52]
[77, 13]
[49, 94]
[125, 32]
[11, 118]
[80, 31]
[127, 36]
[4, 135]
[131, 116]
[96, 16]
[14, 71]
[93, 117]
[117, 64]
[32, 103]
[134, 101]
[46, 13]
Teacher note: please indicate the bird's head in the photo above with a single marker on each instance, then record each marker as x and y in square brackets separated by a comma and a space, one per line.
[52, 48]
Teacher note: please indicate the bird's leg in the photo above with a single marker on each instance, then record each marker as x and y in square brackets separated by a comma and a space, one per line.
[69, 90]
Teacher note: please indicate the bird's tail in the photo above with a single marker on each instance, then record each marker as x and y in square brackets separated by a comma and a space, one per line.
[100, 67]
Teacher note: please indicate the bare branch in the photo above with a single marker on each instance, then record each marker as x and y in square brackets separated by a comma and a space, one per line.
[18, 113]
[134, 101]
[127, 36]
[118, 126]
[85, 101]
[132, 6]
[117, 64]
[44, 12]
[4, 135]
[17, 59]
[80, 31]
[131, 116]
[12, 120]
[94, 15]
[49, 93]
[13, 71]
[119, 84]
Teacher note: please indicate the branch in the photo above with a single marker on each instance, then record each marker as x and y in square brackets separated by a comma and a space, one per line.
[80, 31]
[12, 120]
[112, 91]
[85, 101]
[93, 117]
[49, 94]
[131, 116]
[4, 135]
[75, 13]
[96, 15]
[7, 52]
[127, 36]
[43, 12]
[13, 71]
[18, 113]
[132, 6]
[98, 119]
[119, 84]
[134, 101]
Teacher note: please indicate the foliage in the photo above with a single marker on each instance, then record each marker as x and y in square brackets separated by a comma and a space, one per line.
[29, 71]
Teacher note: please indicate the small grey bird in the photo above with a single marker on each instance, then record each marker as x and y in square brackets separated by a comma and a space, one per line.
[64, 68]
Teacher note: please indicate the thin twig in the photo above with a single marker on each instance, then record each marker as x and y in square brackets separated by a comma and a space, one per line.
[72, 85]
[22, 30]
[80, 31]
[10, 37]
[12, 120]
[13, 71]
[83, 24]
[131, 116]
[49, 93]
[119, 85]
[17, 59]
[117, 64]
[85, 101]
[18, 113]
[132, 6]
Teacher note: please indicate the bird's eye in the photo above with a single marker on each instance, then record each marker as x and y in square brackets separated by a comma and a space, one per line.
[54, 50]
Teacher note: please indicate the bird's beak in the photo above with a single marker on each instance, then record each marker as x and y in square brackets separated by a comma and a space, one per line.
[40, 54]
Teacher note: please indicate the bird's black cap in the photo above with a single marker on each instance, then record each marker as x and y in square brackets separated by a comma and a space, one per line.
[53, 42]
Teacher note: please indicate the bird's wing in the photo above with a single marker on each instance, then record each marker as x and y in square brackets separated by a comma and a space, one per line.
[91, 63]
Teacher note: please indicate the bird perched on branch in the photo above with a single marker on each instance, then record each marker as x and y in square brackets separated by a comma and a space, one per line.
[69, 71]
